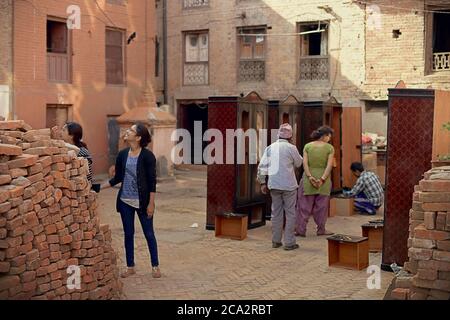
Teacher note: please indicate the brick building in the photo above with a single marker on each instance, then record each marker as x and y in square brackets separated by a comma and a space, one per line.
[352, 50]
[51, 73]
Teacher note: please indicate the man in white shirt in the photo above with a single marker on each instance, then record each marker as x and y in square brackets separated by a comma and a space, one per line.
[278, 163]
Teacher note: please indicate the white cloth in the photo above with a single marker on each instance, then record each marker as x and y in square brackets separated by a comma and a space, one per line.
[279, 162]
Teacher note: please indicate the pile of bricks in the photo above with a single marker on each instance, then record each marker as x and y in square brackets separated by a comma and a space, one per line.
[428, 267]
[52, 245]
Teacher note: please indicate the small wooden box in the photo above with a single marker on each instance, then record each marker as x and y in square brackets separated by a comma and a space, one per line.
[348, 252]
[232, 226]
[373, 231]
[332, 208]
[340, 206]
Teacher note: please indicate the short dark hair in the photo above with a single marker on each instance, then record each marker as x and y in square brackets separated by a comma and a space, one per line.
[357, 166]
[322, 131]
[76, 131]
[142, 131]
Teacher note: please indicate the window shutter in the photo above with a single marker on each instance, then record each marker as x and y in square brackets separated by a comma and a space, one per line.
[203, 42]
[192, 52]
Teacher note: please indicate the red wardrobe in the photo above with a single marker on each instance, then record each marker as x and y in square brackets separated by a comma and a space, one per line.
[409, 155]
[233, 187]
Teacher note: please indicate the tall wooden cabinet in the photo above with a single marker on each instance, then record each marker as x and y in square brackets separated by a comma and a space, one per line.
[234, 187]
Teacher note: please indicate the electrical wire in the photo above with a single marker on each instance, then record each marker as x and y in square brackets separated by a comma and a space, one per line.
[401, 8]
[104, 13]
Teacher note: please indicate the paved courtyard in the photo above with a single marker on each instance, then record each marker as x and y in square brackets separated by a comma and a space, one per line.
[196, 265]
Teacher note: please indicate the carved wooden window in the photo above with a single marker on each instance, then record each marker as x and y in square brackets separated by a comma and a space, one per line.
[438, 39]
[196, 58]
[115, 56]
[314, 59]
[252, 47]
[58, 51]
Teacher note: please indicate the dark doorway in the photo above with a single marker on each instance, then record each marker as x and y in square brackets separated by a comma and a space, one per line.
[189, 114]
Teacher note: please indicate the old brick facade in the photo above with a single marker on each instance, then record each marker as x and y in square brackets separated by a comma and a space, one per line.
[365, 56]
[83, 94]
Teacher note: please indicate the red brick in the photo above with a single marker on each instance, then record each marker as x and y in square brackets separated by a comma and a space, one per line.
[422, 233]
[17, 270]
[430, 220]
[2, 222]
[30, 219]
[4, 195]
[10, 150]
[43, 288]
[4, 267]
[62, 264]
[434, 197]
[25, 207]
[420, 254]
[66, 239]
[29, 192]
[42, 151]
[52, 239]
[22, 161]
[427, 274]
[33, 265]
[435, 265]
[54, 247]
[36, 177]
[32, 255]
[8, 282]
[15, 223]
[16, 201]
[444, 245]
[29, 286]
[400, 294]
[40, 185]
[56, 284]
[441, 255]
[25, 248]
[441, 218]
[45, 161]
[436, 206]
[44, 254]
[60, 291]
[5, 179]
[5, 207]
[43, 213]
[55, 275]
[55, 256]
[27, 237]
[28, 276]
[435, 185]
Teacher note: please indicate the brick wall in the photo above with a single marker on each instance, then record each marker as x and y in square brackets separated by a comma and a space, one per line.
[49, 222]
[389, 59]
[221, 18]
[91, 98]
[5, 56]
[427, 273]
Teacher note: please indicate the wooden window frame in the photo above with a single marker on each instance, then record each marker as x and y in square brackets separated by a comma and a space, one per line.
[69, 51]
[250, 29]
[124, 58]
[185, 35]
[428, 39]
[299, 50]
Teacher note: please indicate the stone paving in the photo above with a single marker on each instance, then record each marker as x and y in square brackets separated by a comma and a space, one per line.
[196, 265]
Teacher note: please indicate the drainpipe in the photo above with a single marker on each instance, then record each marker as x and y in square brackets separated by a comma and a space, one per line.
[166, 97]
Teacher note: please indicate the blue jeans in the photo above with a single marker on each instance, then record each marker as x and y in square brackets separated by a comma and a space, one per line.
[363, 205]
[127, 214]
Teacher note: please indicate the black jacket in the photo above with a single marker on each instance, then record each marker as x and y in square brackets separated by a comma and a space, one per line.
[146, 176]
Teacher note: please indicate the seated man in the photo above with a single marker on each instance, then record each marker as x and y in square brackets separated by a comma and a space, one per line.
[368, 192]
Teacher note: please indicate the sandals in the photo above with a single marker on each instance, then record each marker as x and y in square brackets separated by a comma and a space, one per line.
[156, 273]
[129, 272]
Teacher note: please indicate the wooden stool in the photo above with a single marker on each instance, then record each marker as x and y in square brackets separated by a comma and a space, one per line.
[374, 231]
[231, 225]
[340, 206]
[348, 252]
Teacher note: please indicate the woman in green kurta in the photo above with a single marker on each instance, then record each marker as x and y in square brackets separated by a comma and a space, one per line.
[315, 187]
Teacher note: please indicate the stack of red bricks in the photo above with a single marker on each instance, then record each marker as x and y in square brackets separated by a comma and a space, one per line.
[429, 241]
[52, 245]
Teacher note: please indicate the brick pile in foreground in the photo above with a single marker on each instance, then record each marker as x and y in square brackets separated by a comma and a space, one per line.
[48, 221]
[427, 273]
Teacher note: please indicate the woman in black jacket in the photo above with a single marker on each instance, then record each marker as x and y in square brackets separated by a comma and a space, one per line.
[136, 170]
